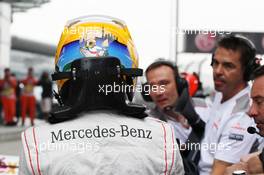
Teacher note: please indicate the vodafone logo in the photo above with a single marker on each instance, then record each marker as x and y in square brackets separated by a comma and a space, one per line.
[205, 42]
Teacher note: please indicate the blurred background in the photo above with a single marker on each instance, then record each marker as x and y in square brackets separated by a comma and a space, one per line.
[169, 29]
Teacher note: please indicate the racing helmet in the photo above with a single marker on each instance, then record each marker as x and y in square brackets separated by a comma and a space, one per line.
[94, 36]
[95, 51]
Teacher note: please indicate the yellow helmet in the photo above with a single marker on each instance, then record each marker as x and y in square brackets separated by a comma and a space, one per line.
[94, 53]
[94, 36]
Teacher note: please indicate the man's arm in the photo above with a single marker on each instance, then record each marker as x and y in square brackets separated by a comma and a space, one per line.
[255, 165]
[238, 166]
[251, 163]
[233, 143]
[219, 167]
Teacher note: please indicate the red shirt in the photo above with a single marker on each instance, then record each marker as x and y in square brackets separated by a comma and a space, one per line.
[8, 87]
[29, 84]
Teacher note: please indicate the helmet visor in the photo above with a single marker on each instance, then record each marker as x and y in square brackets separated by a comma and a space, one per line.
[97, 47]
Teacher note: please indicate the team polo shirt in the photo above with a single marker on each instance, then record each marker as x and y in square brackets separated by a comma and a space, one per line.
[101, 143]
[226, 137]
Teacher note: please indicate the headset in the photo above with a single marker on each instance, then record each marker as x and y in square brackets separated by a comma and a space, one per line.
[251, 54]
[181, 83]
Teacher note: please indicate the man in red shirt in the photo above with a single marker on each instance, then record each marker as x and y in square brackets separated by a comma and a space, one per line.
[8, 97]
[28, 100]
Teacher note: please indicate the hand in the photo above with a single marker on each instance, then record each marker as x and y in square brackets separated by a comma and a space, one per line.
[182, 120]
[250, 163]
[185, 107]
[254, 165]
[175, 116]
[237, 166]
[246, 158]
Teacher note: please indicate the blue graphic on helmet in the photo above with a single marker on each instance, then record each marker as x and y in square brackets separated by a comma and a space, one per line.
[96, 47]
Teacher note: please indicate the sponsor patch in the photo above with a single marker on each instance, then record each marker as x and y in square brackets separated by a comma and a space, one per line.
[100, 132]
[238, 137]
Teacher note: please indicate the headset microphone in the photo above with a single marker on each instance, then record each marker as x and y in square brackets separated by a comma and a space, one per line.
[252, 130]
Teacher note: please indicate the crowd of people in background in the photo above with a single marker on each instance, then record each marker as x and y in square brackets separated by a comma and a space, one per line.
[18, 98]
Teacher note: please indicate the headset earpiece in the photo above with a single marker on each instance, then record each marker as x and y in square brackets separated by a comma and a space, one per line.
[181, 84]
[252, 65]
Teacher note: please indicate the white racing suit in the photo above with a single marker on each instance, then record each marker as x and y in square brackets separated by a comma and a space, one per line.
[101, 143]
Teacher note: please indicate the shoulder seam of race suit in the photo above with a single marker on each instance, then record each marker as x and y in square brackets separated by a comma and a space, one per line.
[173, 148]
[29, 155]
[36, 146]
[165, 148]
